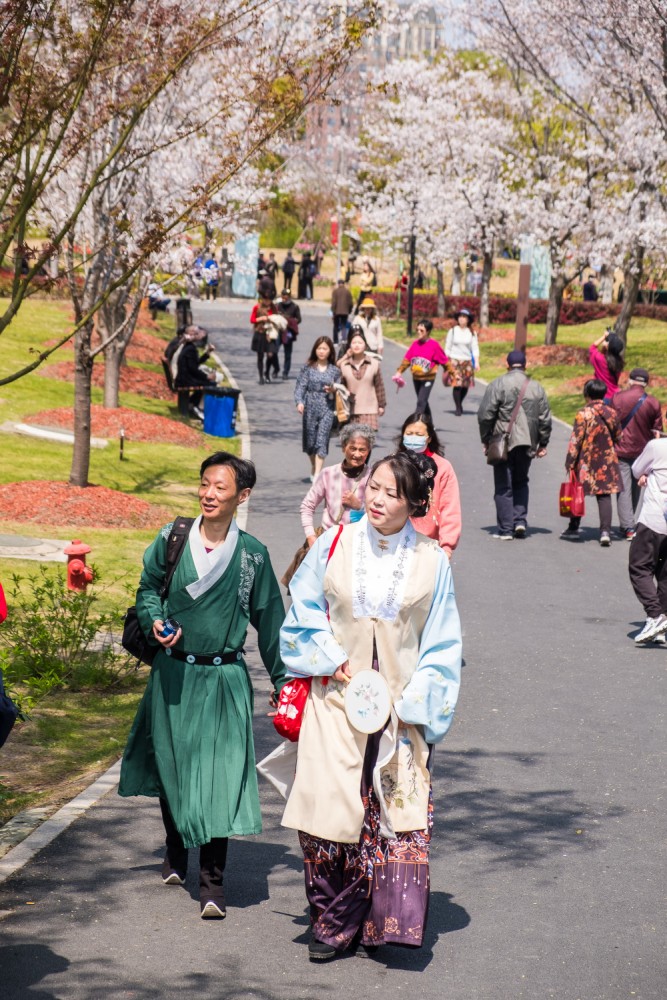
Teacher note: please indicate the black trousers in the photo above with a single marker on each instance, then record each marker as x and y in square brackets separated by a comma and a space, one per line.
[604, 510]
[648, 570]
[212, 857]
[339, 328]
[423, 390]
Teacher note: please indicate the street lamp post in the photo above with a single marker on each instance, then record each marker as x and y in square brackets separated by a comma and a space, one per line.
[411, 280]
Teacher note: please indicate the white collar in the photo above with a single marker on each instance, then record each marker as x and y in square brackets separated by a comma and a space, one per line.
[209, 565]
[381, 544]
[380, 573]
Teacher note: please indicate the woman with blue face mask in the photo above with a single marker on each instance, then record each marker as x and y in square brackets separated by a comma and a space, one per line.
[443, 521]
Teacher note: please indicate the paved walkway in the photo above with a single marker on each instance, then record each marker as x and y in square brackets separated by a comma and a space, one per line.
[548, 863]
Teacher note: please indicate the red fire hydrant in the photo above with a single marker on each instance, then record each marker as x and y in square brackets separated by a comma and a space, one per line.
[78, 574]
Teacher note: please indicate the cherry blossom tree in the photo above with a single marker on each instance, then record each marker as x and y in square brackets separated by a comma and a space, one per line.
[606, 62]
[146, 82]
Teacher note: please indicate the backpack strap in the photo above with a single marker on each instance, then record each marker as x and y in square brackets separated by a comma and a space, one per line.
[178, 537]
[626, 420]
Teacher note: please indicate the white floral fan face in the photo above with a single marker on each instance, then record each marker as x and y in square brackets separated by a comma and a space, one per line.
[367, 701]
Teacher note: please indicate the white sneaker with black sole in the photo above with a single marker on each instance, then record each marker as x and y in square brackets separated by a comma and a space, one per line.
[653, 628]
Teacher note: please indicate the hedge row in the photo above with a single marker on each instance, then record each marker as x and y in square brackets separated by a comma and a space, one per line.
[502, 309]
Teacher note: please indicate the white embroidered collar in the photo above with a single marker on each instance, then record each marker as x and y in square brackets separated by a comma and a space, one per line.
[381, 568]
[209, 565]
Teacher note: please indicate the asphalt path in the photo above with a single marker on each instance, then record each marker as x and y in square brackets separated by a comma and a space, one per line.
[548, 855]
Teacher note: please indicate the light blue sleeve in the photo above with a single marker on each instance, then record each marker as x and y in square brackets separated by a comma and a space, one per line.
[307, 645]
[430, 696]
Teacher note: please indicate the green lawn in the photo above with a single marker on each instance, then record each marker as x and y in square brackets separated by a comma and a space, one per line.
[72, 736]
[647, 348]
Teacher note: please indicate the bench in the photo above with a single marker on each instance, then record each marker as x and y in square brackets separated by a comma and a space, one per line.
[184, 394]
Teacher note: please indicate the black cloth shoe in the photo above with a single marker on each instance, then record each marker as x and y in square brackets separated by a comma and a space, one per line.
[318, 951]
[212, 860]
[174, 869]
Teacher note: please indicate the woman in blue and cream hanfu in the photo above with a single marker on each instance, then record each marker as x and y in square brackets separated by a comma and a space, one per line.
[362, 804]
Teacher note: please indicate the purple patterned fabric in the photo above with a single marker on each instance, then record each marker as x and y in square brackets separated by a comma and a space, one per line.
[378, 888]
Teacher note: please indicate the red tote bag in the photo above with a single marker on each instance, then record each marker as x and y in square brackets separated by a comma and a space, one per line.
[294, 694]
[571, 500]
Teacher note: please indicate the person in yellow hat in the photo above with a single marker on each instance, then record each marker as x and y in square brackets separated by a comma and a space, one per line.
[369, 313]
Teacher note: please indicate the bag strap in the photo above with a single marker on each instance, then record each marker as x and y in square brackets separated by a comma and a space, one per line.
[517, 407]
[178, 536]
[335, 543]
[626, 420]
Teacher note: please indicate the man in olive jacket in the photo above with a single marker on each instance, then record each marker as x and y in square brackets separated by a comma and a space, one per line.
[529, 436]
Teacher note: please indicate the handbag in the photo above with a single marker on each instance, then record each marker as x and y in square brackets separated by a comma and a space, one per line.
[134, 640]
[342, 404]
[571, 499]
[294, 694]
[498, 448]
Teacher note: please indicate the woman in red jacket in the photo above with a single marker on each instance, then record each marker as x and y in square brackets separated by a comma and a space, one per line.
[443, 521]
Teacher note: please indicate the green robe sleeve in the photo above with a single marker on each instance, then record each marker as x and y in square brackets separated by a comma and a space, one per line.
[266, 616]
[149, 603]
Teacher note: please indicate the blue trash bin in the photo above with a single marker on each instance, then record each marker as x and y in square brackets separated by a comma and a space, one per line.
[220, 413]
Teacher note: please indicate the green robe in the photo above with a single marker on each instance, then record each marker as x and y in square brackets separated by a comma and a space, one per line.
[191, 742]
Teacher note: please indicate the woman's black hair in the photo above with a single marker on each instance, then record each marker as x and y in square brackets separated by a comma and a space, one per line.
[595, 389]
[427, 324]
[421, 418]
[312, 357]
[615, 349]
[244, 471]
[356, 331]
[414, 475]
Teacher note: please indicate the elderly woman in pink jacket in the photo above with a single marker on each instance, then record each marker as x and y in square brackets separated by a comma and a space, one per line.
[443, 521]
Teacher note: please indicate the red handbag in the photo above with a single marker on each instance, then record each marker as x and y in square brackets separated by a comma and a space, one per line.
[571, 501]
[294, 694]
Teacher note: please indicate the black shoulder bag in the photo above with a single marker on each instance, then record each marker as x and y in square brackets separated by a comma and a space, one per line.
[134, 640]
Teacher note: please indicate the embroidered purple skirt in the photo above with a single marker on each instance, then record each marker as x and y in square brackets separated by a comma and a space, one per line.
[374, 892]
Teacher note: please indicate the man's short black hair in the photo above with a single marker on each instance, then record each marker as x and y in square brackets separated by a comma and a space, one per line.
[244, 471]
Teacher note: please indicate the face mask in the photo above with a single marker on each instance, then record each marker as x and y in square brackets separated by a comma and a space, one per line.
[415, 442]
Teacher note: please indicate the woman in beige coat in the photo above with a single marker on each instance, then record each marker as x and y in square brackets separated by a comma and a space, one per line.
[362, 377]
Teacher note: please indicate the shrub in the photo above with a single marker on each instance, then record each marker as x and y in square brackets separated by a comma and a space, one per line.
[502, 309]
[55, 637]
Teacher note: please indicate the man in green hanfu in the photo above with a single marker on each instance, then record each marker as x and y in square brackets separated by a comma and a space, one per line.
[191, 744]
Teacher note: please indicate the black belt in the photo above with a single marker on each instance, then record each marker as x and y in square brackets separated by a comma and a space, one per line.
[203, 659]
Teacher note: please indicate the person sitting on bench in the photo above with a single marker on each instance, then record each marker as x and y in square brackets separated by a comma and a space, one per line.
[188, 370]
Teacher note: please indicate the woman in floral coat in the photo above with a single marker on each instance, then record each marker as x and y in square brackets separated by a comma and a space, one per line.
[592, 456]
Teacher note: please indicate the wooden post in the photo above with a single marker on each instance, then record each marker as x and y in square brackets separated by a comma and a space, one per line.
[521, 328]
[411, 282]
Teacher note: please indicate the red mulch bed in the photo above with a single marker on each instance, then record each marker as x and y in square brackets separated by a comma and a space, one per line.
[55, 503]
[143, 383]
[577, 384]
[556, 354]
[137, 426]
[485, 333]
[145, 348]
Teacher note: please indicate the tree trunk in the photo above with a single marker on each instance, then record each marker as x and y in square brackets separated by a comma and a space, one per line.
[114, 355]
[556, 289]
[487, 268]
[606, 285]
[83, 371]
[632, 277]
[457, 277]
[441, 290]
[117, 314]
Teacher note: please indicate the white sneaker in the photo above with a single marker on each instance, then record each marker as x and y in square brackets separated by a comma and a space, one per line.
[211, 911]
[502, 537]
[652, 628]
[660, 640]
